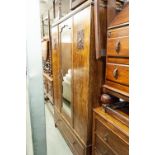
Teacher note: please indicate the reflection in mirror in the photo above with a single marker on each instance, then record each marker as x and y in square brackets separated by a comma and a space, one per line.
[66, 59]
[65, 7]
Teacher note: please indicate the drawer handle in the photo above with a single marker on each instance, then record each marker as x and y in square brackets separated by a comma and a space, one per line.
[117, 46]
[115, 73]
[105, 138]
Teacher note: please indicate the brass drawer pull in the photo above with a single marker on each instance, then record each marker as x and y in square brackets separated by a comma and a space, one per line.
[117, 46]
[106, 137]
[115, 73]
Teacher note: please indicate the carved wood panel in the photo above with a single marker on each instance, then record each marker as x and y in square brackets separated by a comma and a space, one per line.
[80, 39]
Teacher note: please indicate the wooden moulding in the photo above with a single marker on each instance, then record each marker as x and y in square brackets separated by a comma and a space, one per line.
[100, 14]
[115, 92]
[76, 3]
[119, 114]
[116, 108]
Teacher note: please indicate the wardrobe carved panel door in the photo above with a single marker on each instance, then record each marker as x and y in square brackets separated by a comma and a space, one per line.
[56, 67]
[65, 37]
[81, 51]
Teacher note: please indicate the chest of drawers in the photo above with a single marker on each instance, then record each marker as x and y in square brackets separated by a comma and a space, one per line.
[110, 137]
[117, 58]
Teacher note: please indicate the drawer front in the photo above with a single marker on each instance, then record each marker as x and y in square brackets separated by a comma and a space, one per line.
[118, 47]
[111, 139]
[77, 147]
[117, 87]
[116, 60]
[101, 148]
[70, 138]
[117, 73]
[119, 32]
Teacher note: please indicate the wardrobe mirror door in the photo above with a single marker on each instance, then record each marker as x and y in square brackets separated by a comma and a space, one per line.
[66, 67]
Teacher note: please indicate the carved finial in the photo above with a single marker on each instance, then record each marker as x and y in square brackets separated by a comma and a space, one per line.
[108, 99]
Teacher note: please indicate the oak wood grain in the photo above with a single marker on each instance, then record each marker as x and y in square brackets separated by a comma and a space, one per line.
[123, 50]
[122, 73]
[109, 132]
[56, 67]
[119, 32]
[81, 73]
[122, 17]
[118, 60]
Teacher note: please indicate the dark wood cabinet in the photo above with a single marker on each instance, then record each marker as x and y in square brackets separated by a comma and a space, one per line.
[110, 136]
[76, 89]
[117, 67]
[110, 124]
[82, 67]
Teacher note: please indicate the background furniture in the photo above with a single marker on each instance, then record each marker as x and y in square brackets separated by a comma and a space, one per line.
[47, 59]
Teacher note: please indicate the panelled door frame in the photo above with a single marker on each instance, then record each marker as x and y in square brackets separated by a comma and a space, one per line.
[67, 24]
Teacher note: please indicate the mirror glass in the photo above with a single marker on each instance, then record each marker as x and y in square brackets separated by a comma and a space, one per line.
[66, 68]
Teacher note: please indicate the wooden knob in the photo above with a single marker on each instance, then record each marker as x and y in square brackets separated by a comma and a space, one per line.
[107, 99]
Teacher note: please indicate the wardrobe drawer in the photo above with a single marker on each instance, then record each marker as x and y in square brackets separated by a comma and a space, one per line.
[101, 148]
[70, 138]
[77, 147]
[118, 47]
[117, 73]
[119, 32]
[111, 139]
